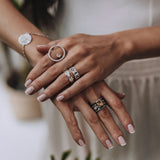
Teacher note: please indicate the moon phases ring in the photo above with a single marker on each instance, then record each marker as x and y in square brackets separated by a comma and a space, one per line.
[58, 55]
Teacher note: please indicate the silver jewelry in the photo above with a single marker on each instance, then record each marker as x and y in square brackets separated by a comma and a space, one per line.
[99, 104]
[75, 73]
[59, 56]
[70, 78]
[26, 39]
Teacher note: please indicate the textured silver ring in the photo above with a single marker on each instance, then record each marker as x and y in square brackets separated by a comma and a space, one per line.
[70, 78]
[99, 104]
[75, 73]
[60, 57]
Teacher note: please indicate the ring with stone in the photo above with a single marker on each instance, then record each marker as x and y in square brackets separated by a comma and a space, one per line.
[99, 104]
[58, 55]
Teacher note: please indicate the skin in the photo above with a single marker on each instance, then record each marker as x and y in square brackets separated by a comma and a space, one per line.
[12, 25]
[94, 57]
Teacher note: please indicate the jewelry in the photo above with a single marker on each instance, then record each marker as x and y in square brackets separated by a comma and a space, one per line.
[57, 55]
[25, 39]
[70, 78]
[75, 73]
[99, 104]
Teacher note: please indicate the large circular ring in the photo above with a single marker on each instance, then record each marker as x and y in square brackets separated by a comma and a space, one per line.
[75, 73]
[99, 104]
[57, 55]
[70, 78]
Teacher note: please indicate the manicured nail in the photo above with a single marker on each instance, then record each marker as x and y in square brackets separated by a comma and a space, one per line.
[81, 142]
[60, 98]
[27, 83]
[131, 129]
[122, 141]
[41, 98]
[109, 144]
[29, 90]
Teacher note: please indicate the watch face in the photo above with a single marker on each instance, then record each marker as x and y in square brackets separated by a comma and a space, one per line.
[25, 39]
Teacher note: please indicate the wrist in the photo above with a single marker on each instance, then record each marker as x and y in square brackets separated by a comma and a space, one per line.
[31, 50]
[125, 46]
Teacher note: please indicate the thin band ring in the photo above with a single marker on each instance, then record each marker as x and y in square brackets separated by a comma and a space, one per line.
[57, 55]
[99, 104]
[75, 73]
[70, 78]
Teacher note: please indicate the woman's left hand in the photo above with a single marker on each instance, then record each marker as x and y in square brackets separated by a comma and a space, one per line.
[94, 57]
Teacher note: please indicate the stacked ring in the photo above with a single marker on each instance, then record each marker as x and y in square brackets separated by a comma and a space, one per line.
[99, 104]
[75, 73]
[72, 74]
[70, 78]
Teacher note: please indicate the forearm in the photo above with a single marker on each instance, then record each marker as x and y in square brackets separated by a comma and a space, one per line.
[140, 43]
[12, 25]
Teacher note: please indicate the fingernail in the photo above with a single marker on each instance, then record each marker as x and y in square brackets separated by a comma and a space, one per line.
[41, 98]
[81, 142]
[41, 45]
[109, 144]
[27, 83]
[122, 141]
[131, 129]
[60, 98]
[29, 90]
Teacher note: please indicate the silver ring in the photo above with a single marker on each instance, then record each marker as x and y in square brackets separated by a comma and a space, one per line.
[57, 55]
[70, 78]
[99, 104]
[75, 73]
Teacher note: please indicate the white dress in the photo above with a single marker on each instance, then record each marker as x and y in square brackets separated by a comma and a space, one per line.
[140, 80]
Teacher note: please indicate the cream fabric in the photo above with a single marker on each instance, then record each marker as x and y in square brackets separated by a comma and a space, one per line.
[140, 80]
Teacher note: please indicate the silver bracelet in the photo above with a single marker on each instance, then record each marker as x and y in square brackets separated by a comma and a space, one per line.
[25, 39]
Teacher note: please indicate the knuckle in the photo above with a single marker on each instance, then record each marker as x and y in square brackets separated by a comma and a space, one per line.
[81, 49]
[52, 72]
[37, 84]
[68, 94]
[79, 35]
[117, 104]
[92, 119]
[46, 63]
[64, 80]
[67, 42]
[105, 114]
[71, 122]
[76, 134]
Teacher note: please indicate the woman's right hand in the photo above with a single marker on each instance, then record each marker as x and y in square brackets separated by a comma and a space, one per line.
[82, 103]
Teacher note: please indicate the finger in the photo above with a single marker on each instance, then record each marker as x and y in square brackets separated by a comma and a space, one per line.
[118, 107]
[71, 122]
[120, 95]
[39, 68]
[81, 84]
[106, 117]
[45, 63]
[44, 48]
[93, 121]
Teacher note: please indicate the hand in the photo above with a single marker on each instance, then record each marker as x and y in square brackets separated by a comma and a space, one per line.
[94, 57]
[81, 103]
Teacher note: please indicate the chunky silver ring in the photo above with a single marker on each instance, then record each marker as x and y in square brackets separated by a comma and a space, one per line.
[57, 55]
[70, 78]
[99, 104]
[75, 73]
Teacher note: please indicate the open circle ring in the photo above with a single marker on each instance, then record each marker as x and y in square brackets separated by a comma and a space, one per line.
[60, 57]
